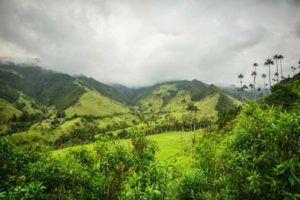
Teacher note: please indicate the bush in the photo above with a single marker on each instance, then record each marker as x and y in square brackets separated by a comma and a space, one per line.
[259, 159]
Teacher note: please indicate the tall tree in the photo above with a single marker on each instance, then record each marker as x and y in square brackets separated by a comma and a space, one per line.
[264, 78]
[254, 80]
[255, 65]
[193, 109]
[280, 57]
[268, 63]
[293, 69]
[241, 76]
[276, 57]
[251, 86]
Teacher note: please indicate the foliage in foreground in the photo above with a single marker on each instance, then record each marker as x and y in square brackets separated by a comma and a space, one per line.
[258, 160]
[255, 156]
[110, 172]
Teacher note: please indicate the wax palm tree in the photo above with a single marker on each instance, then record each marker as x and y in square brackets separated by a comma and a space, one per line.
[193, 109]
[268, 63]
[255, 65]
[196, 109]
[264, 77]
[277, 76]
[293, 69]
[241, 76]
[276, 57]
[254, 77]
[245, 87]
[251, 86]
[280, 57]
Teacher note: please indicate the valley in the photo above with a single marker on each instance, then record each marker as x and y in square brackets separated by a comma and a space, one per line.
[73, 137]
[67, 104]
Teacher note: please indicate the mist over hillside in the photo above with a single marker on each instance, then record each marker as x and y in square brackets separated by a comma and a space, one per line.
[149, 100]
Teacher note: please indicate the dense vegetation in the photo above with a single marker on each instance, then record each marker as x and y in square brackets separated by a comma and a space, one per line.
[257, 159]
[111, 172]
[243, 150]
[261, 153]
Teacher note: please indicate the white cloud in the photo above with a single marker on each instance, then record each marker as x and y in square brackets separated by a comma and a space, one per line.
[136, 43]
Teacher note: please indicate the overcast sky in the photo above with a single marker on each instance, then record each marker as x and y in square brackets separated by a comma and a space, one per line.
[141, 42]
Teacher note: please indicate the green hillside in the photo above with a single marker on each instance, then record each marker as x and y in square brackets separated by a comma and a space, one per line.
[117, 92]
[286, 94]
[7, 110]
[61, 110]
[45, 86]
[173, 98]
[94, 104]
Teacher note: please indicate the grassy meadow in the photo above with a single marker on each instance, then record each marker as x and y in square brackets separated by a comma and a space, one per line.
[173, 147]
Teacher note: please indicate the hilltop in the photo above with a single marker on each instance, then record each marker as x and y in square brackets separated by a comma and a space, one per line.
[56, 104]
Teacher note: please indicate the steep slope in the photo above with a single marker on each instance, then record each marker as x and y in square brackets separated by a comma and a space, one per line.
[94, 104]
[7, 111]
[285, 94]
[169, 101]
[176, 91]
[118, 93]
[46, 87]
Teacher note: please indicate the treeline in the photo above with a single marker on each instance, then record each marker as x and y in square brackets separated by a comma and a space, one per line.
[255, 155]
[21, 123]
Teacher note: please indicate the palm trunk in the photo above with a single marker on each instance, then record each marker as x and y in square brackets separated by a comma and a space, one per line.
[281, 69]
[277, 70]
[254, 89]
[241, 90]
[264, 85]
[270, 77]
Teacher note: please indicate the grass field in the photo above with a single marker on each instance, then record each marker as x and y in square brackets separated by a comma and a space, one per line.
[173, 147]
[93, 103]
[7, 110]
[43, 132]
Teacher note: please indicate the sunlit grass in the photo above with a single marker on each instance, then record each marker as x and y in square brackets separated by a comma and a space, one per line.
[95, 104]
[173, 147]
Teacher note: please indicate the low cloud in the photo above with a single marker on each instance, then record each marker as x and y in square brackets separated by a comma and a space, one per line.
[138, 43]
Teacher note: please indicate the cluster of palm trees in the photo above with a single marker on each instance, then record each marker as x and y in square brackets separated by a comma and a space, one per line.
[278, 76]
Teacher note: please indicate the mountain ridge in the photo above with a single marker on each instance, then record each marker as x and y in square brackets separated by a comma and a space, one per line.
[64, 92]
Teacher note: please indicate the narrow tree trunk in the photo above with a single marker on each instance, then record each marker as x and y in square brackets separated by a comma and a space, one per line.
[270, 77]
[277, 70]
[241, 89]
[254, 89]
[264, 85]
[281, 69]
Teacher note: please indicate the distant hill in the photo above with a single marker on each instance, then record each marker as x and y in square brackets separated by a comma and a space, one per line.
[46, 87]
[117, 92]
[233, 90]
[57, 110]
[174, 97]
[37, 87]
[95, 104]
